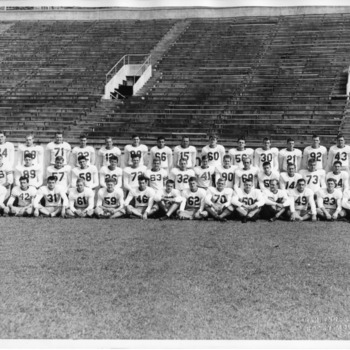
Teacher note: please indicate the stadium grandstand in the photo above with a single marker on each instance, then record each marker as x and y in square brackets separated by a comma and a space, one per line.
[280, 72]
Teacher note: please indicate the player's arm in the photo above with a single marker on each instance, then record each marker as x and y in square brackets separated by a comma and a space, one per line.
[90, 200]
[237, 184]
[74, 178]
[94, 177]
[345, 182]
[346, 201]
[256, 159]
[338, 210]
[40, 156]
[102, 179]
[260, 200]
[20, 155]
[298, 159]
[282, 183]
[126, 181]
[330, 160]
[194, 157]
[149, 206]
[260, 181]
[37, 199]
[324, 160]
[9, 178]
[312, 206]
[92, 156]
[72, 204]
[323, 181]
[145, 156]
[11, 156]
[126, 157]
[129, 198]
[170, 160]
[11, 200]
[39, 177]
[275, 164]
[99, 203]
[235, 200]
[18, 174]
[280, 162]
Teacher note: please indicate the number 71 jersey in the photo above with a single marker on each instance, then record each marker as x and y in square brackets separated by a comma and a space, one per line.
[58, 149]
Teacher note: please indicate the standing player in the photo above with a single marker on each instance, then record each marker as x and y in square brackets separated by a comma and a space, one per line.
[131, 173]
[81, 201]
[193, 201]
[317, 152]
[107, 151]
[289, 155]
[7, 150]
[276, 202]
[143, 199]
[33, 172]
[329, 202]
[55, 200]
[86, 172]
[6, 174]
[83, 150]
[168, 200]
[266, 154]
[218, 201]
[36, 151]
[265, 176]
[21, 201]
[3, 195]
[163, 152]
[339, 152]
[62, 172]
[248, 172]
[226, 171]
[181, 175]
[110, 201]
[241, 152]
[341, 177]
[205, 173]
[185, 151]
[111, 171]
[156, 176]
[248, 202]
[302, 204]
[315, 179]
[58, 148]
[135, 148]
[214, 152]
[288, 180]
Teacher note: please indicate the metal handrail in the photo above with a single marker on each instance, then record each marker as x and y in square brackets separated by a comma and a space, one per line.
[144, 66]
[110, 94]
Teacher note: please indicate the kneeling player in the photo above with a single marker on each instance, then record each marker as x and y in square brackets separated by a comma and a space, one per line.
[276, 202]
[143, 198]
[168, 200]
[55, 199]
[192, 205]
[81, 201]
[329, 202]
[302, 206]
[110, 201]
[248, 202]
[218, 201]
[21, 200]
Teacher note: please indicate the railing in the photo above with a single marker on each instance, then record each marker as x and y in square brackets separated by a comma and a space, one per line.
[143, 68]
[127, 59]
[111, 94]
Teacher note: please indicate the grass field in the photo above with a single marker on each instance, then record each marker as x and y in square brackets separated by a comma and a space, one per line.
[133, 279]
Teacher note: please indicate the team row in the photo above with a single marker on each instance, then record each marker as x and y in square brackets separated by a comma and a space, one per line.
[169, 159]
[218, 202]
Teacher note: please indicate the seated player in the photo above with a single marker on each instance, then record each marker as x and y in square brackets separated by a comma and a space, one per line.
[218, 201]
[29, 170]
[83, 150]
[205, 173]
[329, 202]
[156, 176]
[132, 173]
[248, 172]
[193, 201]
[62, 172]
[241, 152]
[265, 176]
[276, 202]
[21, 200]
[168, 200]
[111, 171]
[81, 201]
[315, 178]
[214, 152]
[110, 201]
[289, 155]
[86, 172]
[302, 205]
[226, 171]
[248, 202]
[289, 179]
[3, 196]
[143, 197]
[163, 152]
[345, 203]
[340, 176]
[105, 153]
[54, 197]
[181, 175]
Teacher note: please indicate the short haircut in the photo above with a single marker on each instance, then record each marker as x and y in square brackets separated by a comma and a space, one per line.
[213, 136]
[80, 180]
[111, 179]
[337, 162]
[340, 136]
[52, 178]
[160, 138]
[242, 138]
[266, 139]
[59, 158]
[274, 180]
[181, 159]
[135, 155]
[192, 178]
[83, 136]
[312, 160]
[266, 164]
[28, 155]
[185, 137]
[301, 180]
[23, 178]
[81, 157]
[221, 179]
[289, 164]
[59, 132]
[108, 138]
[290, 140]
[248, 180]
[170, 182]
[205, 157]
[2, 132]
[332, 180]
[113, 157]
[227, 156]
[142, 178]
[314, 136]
[157, 159]
[134, 136]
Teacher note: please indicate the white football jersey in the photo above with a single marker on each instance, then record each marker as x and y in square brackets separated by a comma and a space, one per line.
[130, 176]
[303, 200]
[106, 173]
[186, 153]
[105, 154]
[130, 150]
[214, 196]
[261, 156]
[63, 175]
[215, 154]
[227, 174]
[53, 198]
[6, 174]
[193, 200]
[290, 157]
[7, 150]
[314, 153]
[88, 152]
[314, 180]
[168, 198]
[142, 198]
[181, 177]
[264, 180]
[36, 151]
[255, 196]
[287, 182]
[114, 199]
[89, 174]
[340, 154]
[342, 179]
[33, 173]
[328, 200]
[156, 178]
[58, 149]
[204, 176]
[3, 193]
[237, 156]
[242, 175]
[164, 154]
[280, 196]
[26, 197]
[81, 200]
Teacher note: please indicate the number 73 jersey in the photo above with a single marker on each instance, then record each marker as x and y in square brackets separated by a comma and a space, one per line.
[315, 179]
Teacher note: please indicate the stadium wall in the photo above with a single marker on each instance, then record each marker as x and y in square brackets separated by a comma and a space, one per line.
[165, 12]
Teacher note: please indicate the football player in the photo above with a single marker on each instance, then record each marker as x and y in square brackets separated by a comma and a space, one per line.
[58, 147]
[185, 151]
[315, 179]
[131, 173]
[266, 154]
[86, 172]
[214, 152]
[62, 172]
[111, 171]
[205, 173]
[6, 175]
[241, 152]
[339, 152]
[36, 151]
[226, 171]
[288, 180]
[163, 152]
[340, 176]
[266, 175]
[135, 148]
[181, 175]
[248, 172]
[156, 176]
[315, 151]
[107, 151]
[54, 197]
[289, 155]
[31, 171]
[7, 150]
[83, 150]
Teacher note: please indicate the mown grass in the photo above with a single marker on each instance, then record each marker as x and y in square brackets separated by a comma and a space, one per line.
[133, 279]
